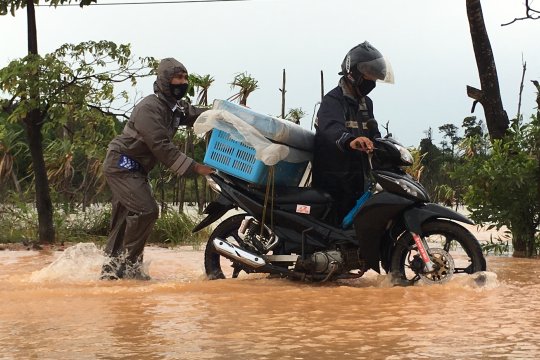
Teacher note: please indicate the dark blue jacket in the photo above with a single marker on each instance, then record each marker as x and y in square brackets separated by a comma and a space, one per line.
[338, 169]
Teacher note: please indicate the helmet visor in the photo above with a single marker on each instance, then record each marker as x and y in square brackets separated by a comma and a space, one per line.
[378, 70]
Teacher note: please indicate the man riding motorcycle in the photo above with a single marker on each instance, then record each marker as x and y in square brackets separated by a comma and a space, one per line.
[343, 136]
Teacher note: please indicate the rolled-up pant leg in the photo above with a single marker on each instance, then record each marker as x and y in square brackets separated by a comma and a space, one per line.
[134, 213]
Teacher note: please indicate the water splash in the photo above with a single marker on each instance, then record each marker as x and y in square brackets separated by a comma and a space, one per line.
[81, 262]
[479, 280]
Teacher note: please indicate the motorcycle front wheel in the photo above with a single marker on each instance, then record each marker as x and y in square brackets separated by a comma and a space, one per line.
[451, 244]
[217, 266]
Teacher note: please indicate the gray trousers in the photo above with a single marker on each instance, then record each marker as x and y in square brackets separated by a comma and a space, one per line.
[134, 210]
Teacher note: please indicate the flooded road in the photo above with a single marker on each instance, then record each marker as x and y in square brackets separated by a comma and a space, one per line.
[53, 307]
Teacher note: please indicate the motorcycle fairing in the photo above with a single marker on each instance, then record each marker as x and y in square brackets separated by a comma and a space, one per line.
[403, 185]
[371, 223]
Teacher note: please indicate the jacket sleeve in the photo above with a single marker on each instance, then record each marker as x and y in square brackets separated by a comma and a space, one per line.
[331, 125]
[150, 124]
[192, 113]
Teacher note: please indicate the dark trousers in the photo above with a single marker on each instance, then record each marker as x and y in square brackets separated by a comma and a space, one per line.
[134, 210]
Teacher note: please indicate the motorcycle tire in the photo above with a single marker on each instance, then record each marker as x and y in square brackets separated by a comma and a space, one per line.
[213, 261]
[452, 237]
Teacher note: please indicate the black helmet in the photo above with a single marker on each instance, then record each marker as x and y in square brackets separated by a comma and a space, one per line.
[366, 60]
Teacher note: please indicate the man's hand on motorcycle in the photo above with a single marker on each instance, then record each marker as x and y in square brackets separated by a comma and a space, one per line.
[203, 169]
[362, 143]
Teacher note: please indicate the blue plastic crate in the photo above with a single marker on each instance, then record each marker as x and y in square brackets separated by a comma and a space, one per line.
[238, 159]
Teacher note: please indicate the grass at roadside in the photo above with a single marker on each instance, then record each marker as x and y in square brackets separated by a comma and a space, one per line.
[19, 225]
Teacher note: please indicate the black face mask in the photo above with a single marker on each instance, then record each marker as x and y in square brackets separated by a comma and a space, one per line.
[178, 91]
[366, 86]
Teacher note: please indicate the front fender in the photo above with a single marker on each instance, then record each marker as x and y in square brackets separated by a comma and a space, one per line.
[416, 216]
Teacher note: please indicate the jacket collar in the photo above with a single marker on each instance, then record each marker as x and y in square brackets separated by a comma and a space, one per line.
[347, 93]
[171, 103]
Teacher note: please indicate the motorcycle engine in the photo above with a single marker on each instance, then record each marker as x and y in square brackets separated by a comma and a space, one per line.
[340, 260]
[322, 261]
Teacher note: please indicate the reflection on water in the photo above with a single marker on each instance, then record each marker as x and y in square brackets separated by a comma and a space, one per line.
[53, 307]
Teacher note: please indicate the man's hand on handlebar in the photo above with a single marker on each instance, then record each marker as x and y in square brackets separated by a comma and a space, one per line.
[362, 143]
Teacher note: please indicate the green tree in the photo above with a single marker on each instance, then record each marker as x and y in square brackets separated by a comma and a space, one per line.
[33, 117]
[450, 134]
[475, 140]
[502, 184]
[432, 160]
[73, 81]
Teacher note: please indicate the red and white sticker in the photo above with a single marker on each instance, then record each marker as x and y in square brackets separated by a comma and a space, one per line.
[303, 209]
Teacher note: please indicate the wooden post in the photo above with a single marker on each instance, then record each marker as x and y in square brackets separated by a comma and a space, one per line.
[283, 91]
[322, 85]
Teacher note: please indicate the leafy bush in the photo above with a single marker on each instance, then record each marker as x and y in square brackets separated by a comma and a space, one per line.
[500, 247]
[18, 223]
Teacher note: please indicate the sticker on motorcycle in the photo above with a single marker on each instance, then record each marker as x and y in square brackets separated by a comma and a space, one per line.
[303, 209]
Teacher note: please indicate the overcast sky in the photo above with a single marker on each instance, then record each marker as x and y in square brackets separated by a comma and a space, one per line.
[427, 41]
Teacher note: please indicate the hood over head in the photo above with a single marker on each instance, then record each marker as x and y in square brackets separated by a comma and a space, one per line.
[167, 68]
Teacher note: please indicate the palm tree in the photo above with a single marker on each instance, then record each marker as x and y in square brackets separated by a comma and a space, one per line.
[60, 167]
[202, 83]
[295, 115]
[247, 85]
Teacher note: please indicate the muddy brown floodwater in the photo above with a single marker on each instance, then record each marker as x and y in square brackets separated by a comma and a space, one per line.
[53, 307]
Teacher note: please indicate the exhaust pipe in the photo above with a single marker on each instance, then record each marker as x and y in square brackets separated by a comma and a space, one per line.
[234, 252]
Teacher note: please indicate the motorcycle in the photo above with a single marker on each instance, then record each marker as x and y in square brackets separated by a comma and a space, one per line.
[286, 233]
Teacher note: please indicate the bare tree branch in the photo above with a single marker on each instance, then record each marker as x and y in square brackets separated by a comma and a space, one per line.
[521, 85]
[530, 13]
[107, 112]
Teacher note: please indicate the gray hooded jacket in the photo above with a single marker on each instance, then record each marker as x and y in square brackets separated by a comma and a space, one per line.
[147, 136]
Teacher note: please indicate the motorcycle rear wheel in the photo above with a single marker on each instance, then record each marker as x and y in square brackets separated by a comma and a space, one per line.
[217, 266]
[454, 239]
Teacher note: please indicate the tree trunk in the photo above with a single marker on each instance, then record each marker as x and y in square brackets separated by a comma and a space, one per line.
[523, 242]
[33, 123]
[43, 198]
[32, 32]
[537, 141]
[490, 95]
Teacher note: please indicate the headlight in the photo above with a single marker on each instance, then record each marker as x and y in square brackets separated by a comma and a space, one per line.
[405, 154]
[213, 185]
